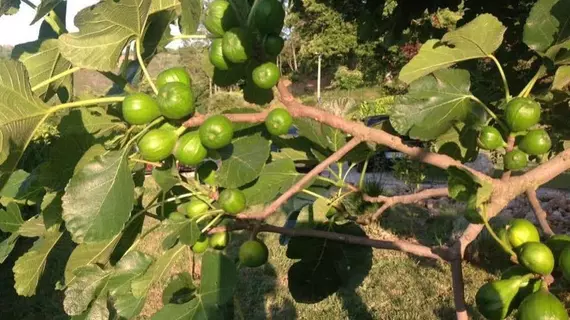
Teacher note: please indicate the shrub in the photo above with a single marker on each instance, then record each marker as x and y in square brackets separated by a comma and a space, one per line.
[347, 79]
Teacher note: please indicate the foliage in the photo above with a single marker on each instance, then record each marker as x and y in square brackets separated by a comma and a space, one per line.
[90, 188]
[347, 79]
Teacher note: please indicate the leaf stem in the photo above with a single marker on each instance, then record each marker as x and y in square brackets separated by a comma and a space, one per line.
[528, 88]
[155, 164]
[213, 222]
[505, 83]
[363, 173]
[491, 113]
[83, 103]
[188, 37]
[54, 78]
[494, 235]
[145, 130]
[314, 194]
[208, 214]
[143, 67]
[325, 179]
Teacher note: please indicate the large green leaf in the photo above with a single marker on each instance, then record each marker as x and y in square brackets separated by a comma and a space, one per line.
[20, 115]
[190, 16]
[97, 310]
[11, 218]
[548, 23]
[99, 198]
[477, 39]
[243, 160]
[43, 61]
[463, 186]
[29, 267]
[44, 8]
[91, 280]
[193, 309]
[104, 31]
[156, 271]
[180, 289]
[276, 177]
[12, 188]
[167, 175]
[89, 253]
[459, 142]
[219, 278]
[157, 34]
[433, 104]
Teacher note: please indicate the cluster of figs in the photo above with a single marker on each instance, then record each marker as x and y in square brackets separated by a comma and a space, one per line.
[522, 116]
[524, 287]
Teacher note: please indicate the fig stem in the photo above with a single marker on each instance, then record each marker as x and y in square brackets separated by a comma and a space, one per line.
[213, 222]
[143, 67]
[491, 113]
[494, 235]
[54, 78]
[505, 83]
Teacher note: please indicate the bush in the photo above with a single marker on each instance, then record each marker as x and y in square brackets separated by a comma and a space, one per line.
[347, 79]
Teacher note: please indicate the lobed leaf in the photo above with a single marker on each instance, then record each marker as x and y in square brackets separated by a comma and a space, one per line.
[104, 30]
[44, 8]
[43, 60]
[433, 104]
[20, 115]
[476, 39]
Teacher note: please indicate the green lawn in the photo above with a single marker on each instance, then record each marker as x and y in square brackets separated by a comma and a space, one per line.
[396, 286]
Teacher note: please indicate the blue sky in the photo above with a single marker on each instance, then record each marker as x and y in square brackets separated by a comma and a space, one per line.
[16, 28]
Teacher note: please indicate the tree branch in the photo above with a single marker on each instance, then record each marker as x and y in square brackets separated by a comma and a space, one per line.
[458, 290]
[539, 212]
[408, 198]
[305, 180]
[397, 245]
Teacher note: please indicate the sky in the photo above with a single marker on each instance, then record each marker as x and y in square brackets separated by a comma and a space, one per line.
[26, 32]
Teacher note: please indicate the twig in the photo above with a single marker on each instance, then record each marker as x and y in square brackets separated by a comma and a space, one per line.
[297, 187]
[408, 198]
[539, 212]
[397, 245]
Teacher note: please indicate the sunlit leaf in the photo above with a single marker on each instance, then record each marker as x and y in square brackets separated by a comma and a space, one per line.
[548, 24]
[104, 31]
[7, 246]
[190, 17]
[44, 8]
[43, 61]
[90, 281]
[20, 114]
[561, 78]
[33, 227]
[157, 271]
[11, 218]
[29, 267]
[476, 39]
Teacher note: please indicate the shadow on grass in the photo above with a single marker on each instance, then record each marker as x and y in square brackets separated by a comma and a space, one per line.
[47, 303]
[256, 283]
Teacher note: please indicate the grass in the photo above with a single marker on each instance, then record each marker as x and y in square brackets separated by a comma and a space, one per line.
[397, 286]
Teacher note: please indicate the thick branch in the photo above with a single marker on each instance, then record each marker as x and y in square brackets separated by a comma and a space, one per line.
[397, 245]
[539, 212]
[365, 133]
[305, 180]
[408, 198]
[458, 290]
